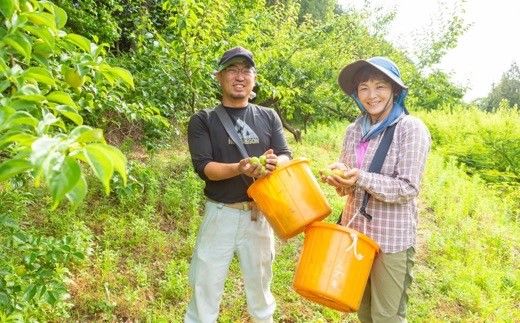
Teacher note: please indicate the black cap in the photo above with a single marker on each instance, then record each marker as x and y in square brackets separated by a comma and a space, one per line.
[234, 53]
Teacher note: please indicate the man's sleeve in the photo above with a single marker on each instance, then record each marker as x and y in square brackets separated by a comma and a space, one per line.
[199, 144]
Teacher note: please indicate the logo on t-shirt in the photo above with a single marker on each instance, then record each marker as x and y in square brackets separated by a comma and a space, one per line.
[245, 133]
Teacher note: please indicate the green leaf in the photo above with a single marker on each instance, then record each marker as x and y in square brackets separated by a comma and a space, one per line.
[23, 105]
[7, 8]
[13, 167]
[59, 14]
[29, 97]
[51, 297]
[88, 135]
[28, 89]
[62, 175]
[108, 76]
[5, 113]
[19, 237]
[41, 18]
[3, 66]
[100, 163]
[79, 41]
[41, 150]
[17, 21]
[62, 98]
[48, 120]
[4, 299]
[77, 193]
[30, 258]
[123, 74]
[21, 138]
[4, 85]
[78, 131]
[15, 317]
[42, 33]
[30, 291]
[22, 118]
[70, 113]
[118, 160]
[78, 255]
[19, 43]
[40, 75]
[8, 222]
[40, 59]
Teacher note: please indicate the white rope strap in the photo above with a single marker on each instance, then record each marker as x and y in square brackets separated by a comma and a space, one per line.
[354, 238]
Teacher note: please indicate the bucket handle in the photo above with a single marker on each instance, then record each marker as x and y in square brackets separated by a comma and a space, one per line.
[354, 238]
[355, 215]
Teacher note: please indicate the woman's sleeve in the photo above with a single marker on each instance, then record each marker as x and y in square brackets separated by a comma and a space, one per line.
[404, 184]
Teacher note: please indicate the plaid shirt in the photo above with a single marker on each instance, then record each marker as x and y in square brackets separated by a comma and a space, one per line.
[394, 191]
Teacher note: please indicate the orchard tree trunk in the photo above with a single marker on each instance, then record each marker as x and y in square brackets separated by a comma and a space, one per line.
[274, 102]
[342, 114]
[295, 132]
[305, 122]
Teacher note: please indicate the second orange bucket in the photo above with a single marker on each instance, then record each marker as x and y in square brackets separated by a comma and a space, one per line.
[290, 198]
[334, 266]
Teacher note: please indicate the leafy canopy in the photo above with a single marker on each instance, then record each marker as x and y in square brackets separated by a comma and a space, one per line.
[43, 71]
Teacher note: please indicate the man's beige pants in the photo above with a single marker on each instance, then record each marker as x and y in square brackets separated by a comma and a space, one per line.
[223, 232]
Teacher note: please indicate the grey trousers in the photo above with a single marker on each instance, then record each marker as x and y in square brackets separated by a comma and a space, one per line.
[385, 296]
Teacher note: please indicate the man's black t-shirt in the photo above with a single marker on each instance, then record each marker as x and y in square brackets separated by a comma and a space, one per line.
[258, 127]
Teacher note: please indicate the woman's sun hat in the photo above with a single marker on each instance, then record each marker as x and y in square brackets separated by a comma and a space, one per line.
[383, 64]
[389, 68]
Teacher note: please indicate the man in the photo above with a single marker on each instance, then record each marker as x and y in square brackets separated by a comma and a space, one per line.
[231, 222]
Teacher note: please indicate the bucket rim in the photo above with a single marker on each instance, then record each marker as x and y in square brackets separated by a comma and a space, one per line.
[290, 162]
[279, 167]
[338, 227]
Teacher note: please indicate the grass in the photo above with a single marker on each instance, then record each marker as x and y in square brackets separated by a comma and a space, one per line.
[138, 245]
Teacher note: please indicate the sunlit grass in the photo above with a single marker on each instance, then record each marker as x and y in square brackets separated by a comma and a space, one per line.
[467, 263]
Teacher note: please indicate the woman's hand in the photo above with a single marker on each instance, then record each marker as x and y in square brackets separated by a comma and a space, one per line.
[339, 175]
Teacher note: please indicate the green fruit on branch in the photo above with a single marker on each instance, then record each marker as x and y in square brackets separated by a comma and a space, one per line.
[77, 90]
[20, 270]
[73, 78]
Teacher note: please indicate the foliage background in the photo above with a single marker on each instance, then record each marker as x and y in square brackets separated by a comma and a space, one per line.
[85, 237]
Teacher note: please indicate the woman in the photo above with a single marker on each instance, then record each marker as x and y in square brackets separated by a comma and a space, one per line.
[390, 216]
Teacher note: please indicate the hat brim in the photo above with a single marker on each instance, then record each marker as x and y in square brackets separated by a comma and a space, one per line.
[235, 59]
[346, 76]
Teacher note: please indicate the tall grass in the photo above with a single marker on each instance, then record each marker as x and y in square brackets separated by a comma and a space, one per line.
[488, 143]
[139, 240]
[468, 268]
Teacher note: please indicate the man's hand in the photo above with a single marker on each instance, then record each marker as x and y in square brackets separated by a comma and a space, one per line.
[255, 168]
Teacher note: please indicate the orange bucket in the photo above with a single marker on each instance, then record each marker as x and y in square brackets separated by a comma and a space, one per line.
[334, 266]
[290, 198]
